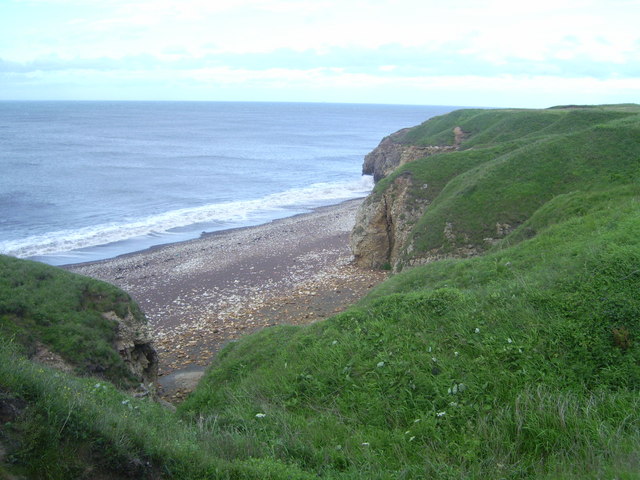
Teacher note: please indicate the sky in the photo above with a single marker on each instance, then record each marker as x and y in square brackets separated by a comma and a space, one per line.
[490, 53]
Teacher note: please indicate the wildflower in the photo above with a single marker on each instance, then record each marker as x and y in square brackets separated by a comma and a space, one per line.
[477, 330]
[125, 402]
[434, 359]
[97, 385]
[365, 444]
[441, 414]
[335, 342]
[456, 353]
[338, 447]
[509, 340]
[261, 415]
[380, 364]
[407, 432]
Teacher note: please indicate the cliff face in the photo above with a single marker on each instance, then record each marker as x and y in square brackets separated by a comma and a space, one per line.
[497, 168]
[383, 223]
[134, 344]
[391, 153]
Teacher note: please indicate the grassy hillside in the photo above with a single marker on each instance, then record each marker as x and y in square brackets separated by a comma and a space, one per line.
[64, 313]
[520, 363]
[512, 162]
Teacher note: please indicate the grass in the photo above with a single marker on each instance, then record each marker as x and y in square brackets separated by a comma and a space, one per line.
[520, 363]
[39, 303]
[512, 166]
[509, 363]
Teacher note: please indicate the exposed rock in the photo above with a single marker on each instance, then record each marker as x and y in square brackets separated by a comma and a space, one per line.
[134, 344]
[390, 153]
[383, 224]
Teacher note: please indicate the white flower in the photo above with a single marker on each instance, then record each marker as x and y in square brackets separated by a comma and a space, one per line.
[261, 415]
[416, 420]
[456, 353]
[509, 340]
[380, 364]
[434, 359]
[407, 432]
[441, 414]
[124, 402]
[335, 342]
[365, 444]
[412, 439]
[477, 330]
[97, 385]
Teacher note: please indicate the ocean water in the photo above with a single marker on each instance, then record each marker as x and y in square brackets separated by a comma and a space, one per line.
[84, 181]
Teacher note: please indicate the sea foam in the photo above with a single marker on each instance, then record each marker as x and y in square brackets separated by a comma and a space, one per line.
[187, 223]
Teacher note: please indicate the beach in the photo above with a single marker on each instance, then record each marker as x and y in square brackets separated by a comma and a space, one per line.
[200, 294]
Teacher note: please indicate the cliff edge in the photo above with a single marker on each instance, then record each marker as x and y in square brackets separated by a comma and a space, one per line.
[459, 184]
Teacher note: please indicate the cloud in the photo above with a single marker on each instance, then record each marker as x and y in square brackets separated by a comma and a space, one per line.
[387, 60]
[272, 46]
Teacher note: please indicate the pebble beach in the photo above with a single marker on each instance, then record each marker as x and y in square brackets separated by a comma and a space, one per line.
[200, 294]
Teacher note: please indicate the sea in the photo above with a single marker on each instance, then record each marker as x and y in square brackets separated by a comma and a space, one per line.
[83, 181]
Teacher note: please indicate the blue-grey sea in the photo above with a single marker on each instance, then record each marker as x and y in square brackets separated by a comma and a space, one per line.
[84, 181]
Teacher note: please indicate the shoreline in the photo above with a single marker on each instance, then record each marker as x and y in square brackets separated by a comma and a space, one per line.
[204, 235]
[200, 294]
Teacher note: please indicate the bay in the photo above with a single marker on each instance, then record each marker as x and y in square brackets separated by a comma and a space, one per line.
[84, 181]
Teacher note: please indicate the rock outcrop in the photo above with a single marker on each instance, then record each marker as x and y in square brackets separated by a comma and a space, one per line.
[384, 222]
[391, 153]
[385, 219]
[134, 344]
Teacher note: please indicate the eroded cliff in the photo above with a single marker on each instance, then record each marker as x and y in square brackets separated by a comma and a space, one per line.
[385, 219]
[493, 171]
[392, 153]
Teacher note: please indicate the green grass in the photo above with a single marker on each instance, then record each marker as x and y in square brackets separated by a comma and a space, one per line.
[520, 363]
[511, 168]
[39, 303]
[518, 348]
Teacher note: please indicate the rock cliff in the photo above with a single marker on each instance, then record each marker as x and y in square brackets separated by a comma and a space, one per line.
[75, 324]
[384, 222]
[134, 343]
[392, 153]
[385, 219]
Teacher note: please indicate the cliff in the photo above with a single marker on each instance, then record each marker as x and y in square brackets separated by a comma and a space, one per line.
[490, 172]
[392, 153]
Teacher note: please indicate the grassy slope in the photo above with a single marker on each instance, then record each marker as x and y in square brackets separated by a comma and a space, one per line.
[522, 363]
[39, 303]
[547, 384]
[512, 163]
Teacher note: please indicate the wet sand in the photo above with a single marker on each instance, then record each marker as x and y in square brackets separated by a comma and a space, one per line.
[199, 295]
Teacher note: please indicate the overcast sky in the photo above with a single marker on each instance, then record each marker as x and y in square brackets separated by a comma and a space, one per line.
[433, 52]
